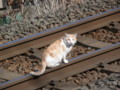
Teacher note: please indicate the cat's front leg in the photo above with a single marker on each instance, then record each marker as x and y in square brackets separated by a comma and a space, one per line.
[64, 59]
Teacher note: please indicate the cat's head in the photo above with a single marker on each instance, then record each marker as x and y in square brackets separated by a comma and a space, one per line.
[70, 39]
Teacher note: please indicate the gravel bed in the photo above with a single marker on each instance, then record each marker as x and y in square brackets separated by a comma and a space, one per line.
[109, 34]
[25, 27]
[25, 63]
[22, 64]
[95, 79]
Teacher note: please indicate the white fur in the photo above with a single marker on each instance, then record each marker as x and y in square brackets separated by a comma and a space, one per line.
[53, 62]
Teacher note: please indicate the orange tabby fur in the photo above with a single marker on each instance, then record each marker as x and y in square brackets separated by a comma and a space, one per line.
[57, 52]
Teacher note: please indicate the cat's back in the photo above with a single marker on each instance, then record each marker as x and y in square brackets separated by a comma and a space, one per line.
[54, 47]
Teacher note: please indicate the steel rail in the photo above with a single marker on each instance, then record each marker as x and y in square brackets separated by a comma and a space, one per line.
[76, 65]
[44, 38]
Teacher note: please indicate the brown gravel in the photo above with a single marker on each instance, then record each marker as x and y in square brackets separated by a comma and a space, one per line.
[110, 33]
[86, 79]
[26, 27]
[22, 64]
[25, 63]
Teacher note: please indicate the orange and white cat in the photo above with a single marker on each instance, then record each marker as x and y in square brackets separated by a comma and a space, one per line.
[56, 52]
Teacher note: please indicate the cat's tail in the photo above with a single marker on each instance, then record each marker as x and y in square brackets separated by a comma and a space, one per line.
[41, 71]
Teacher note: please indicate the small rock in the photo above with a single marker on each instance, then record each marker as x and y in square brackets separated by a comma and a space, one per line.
[112, 78]
[69, 79]
[118, 84]
[114, 83]
[89, 48]
[84, 88]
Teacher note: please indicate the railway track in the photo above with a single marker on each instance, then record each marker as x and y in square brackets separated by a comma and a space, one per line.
[108, 74]
[103, 54]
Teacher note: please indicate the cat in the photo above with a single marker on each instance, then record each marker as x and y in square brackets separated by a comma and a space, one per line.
[56, 53]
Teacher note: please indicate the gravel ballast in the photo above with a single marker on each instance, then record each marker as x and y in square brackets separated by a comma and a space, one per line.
[26, 27]
[95, 79]
[25, 63]
[108, 34]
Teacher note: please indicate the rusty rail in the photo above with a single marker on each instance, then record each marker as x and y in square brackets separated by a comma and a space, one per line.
[76, 65]
[81, 26]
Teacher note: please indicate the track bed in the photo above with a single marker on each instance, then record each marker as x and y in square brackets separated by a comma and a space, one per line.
[95, 79]
[90, 50]
[27, 62]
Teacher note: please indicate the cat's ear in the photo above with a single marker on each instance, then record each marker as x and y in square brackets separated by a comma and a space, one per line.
[66, 34]
[75, 34]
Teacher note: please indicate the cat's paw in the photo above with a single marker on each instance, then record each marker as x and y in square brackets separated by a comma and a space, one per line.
[65, 61]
